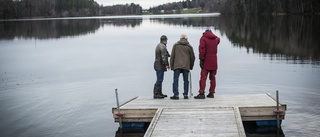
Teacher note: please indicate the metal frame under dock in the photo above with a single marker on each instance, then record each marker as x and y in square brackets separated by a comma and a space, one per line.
[219, 116]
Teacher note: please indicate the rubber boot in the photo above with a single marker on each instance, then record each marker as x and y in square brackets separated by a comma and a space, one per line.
[161, 92]
[156, 92]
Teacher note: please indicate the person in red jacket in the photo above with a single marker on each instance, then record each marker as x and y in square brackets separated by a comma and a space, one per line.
[208, 49]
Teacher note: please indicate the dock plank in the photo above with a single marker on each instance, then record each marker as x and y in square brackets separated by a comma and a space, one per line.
[218, 101]
[252, 106]
[203, 122]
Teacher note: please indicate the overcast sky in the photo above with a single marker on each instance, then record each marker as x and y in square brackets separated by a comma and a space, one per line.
[145, 4]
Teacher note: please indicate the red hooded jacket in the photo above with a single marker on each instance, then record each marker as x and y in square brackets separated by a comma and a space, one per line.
[208, 49]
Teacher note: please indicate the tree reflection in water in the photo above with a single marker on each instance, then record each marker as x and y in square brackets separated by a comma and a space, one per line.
[290, 38]
[58, 28]
[293, 39]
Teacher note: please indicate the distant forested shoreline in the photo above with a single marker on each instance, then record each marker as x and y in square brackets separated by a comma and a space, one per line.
[19, 9]
[242, 7]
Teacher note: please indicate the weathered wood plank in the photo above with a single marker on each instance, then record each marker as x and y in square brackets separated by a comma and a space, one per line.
[153, 123]
[134, 120]
[239, 122]
[197, 122]
[133, 113]
[259, 111]
[258, 118]
[218, 101]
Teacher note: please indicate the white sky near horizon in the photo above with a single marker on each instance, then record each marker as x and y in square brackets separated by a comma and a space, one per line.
[145, 4]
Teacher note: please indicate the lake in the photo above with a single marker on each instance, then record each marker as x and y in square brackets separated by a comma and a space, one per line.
[58, 76]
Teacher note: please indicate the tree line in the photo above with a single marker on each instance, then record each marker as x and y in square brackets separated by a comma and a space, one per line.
[122, 9]
[269, 7]
[176, 7]
[12, 9]
[243, 6]
[15, 9]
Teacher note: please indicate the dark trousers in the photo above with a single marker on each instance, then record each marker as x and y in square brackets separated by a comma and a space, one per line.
[175, 84]
[160, 75]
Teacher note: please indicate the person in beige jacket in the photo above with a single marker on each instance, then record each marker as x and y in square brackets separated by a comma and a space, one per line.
[181, 61]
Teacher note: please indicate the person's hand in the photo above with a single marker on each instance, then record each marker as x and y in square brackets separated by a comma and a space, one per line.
[201, 64]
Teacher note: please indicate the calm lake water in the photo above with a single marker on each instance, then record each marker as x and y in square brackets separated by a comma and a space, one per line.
[58, 76]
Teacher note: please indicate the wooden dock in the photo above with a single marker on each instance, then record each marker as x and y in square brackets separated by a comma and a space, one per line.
[220, 116]
[200, 122]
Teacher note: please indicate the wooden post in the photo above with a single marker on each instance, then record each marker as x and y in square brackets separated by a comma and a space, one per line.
[118, 107]
[278, 119]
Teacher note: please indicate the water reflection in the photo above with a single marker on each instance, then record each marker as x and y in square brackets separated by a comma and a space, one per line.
[289, 38]
[46, 29]
[188, 22]
[252, 129]
[49, 29]
[121, 22]
[293, 39]
[131, 132]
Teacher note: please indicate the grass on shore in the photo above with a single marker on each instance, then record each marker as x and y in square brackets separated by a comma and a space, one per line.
[191, 11]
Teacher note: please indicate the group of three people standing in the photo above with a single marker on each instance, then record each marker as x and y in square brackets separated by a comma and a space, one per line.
[182, 61]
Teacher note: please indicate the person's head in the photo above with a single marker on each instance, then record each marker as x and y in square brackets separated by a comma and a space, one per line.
[184, 36]
[207, 31]
[163, 39]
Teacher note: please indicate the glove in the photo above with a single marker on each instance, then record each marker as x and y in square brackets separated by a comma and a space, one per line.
[201, 64]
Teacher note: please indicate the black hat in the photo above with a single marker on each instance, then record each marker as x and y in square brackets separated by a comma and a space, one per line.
[163, 37]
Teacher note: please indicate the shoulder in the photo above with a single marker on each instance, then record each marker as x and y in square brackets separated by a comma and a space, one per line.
[190, 47]
[161, 45]
[176, 44]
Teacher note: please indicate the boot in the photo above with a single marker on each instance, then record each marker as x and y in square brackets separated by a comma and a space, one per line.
[210, 95]
[161, 92]
[200, 96]
[156, 92]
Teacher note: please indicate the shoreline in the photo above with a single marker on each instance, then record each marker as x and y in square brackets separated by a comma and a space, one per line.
[144, 15]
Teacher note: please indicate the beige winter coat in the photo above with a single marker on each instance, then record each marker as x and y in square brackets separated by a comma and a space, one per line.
[182, 55]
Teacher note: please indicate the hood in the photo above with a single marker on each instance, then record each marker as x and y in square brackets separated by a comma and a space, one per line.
[209, 35]
[183, 42]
